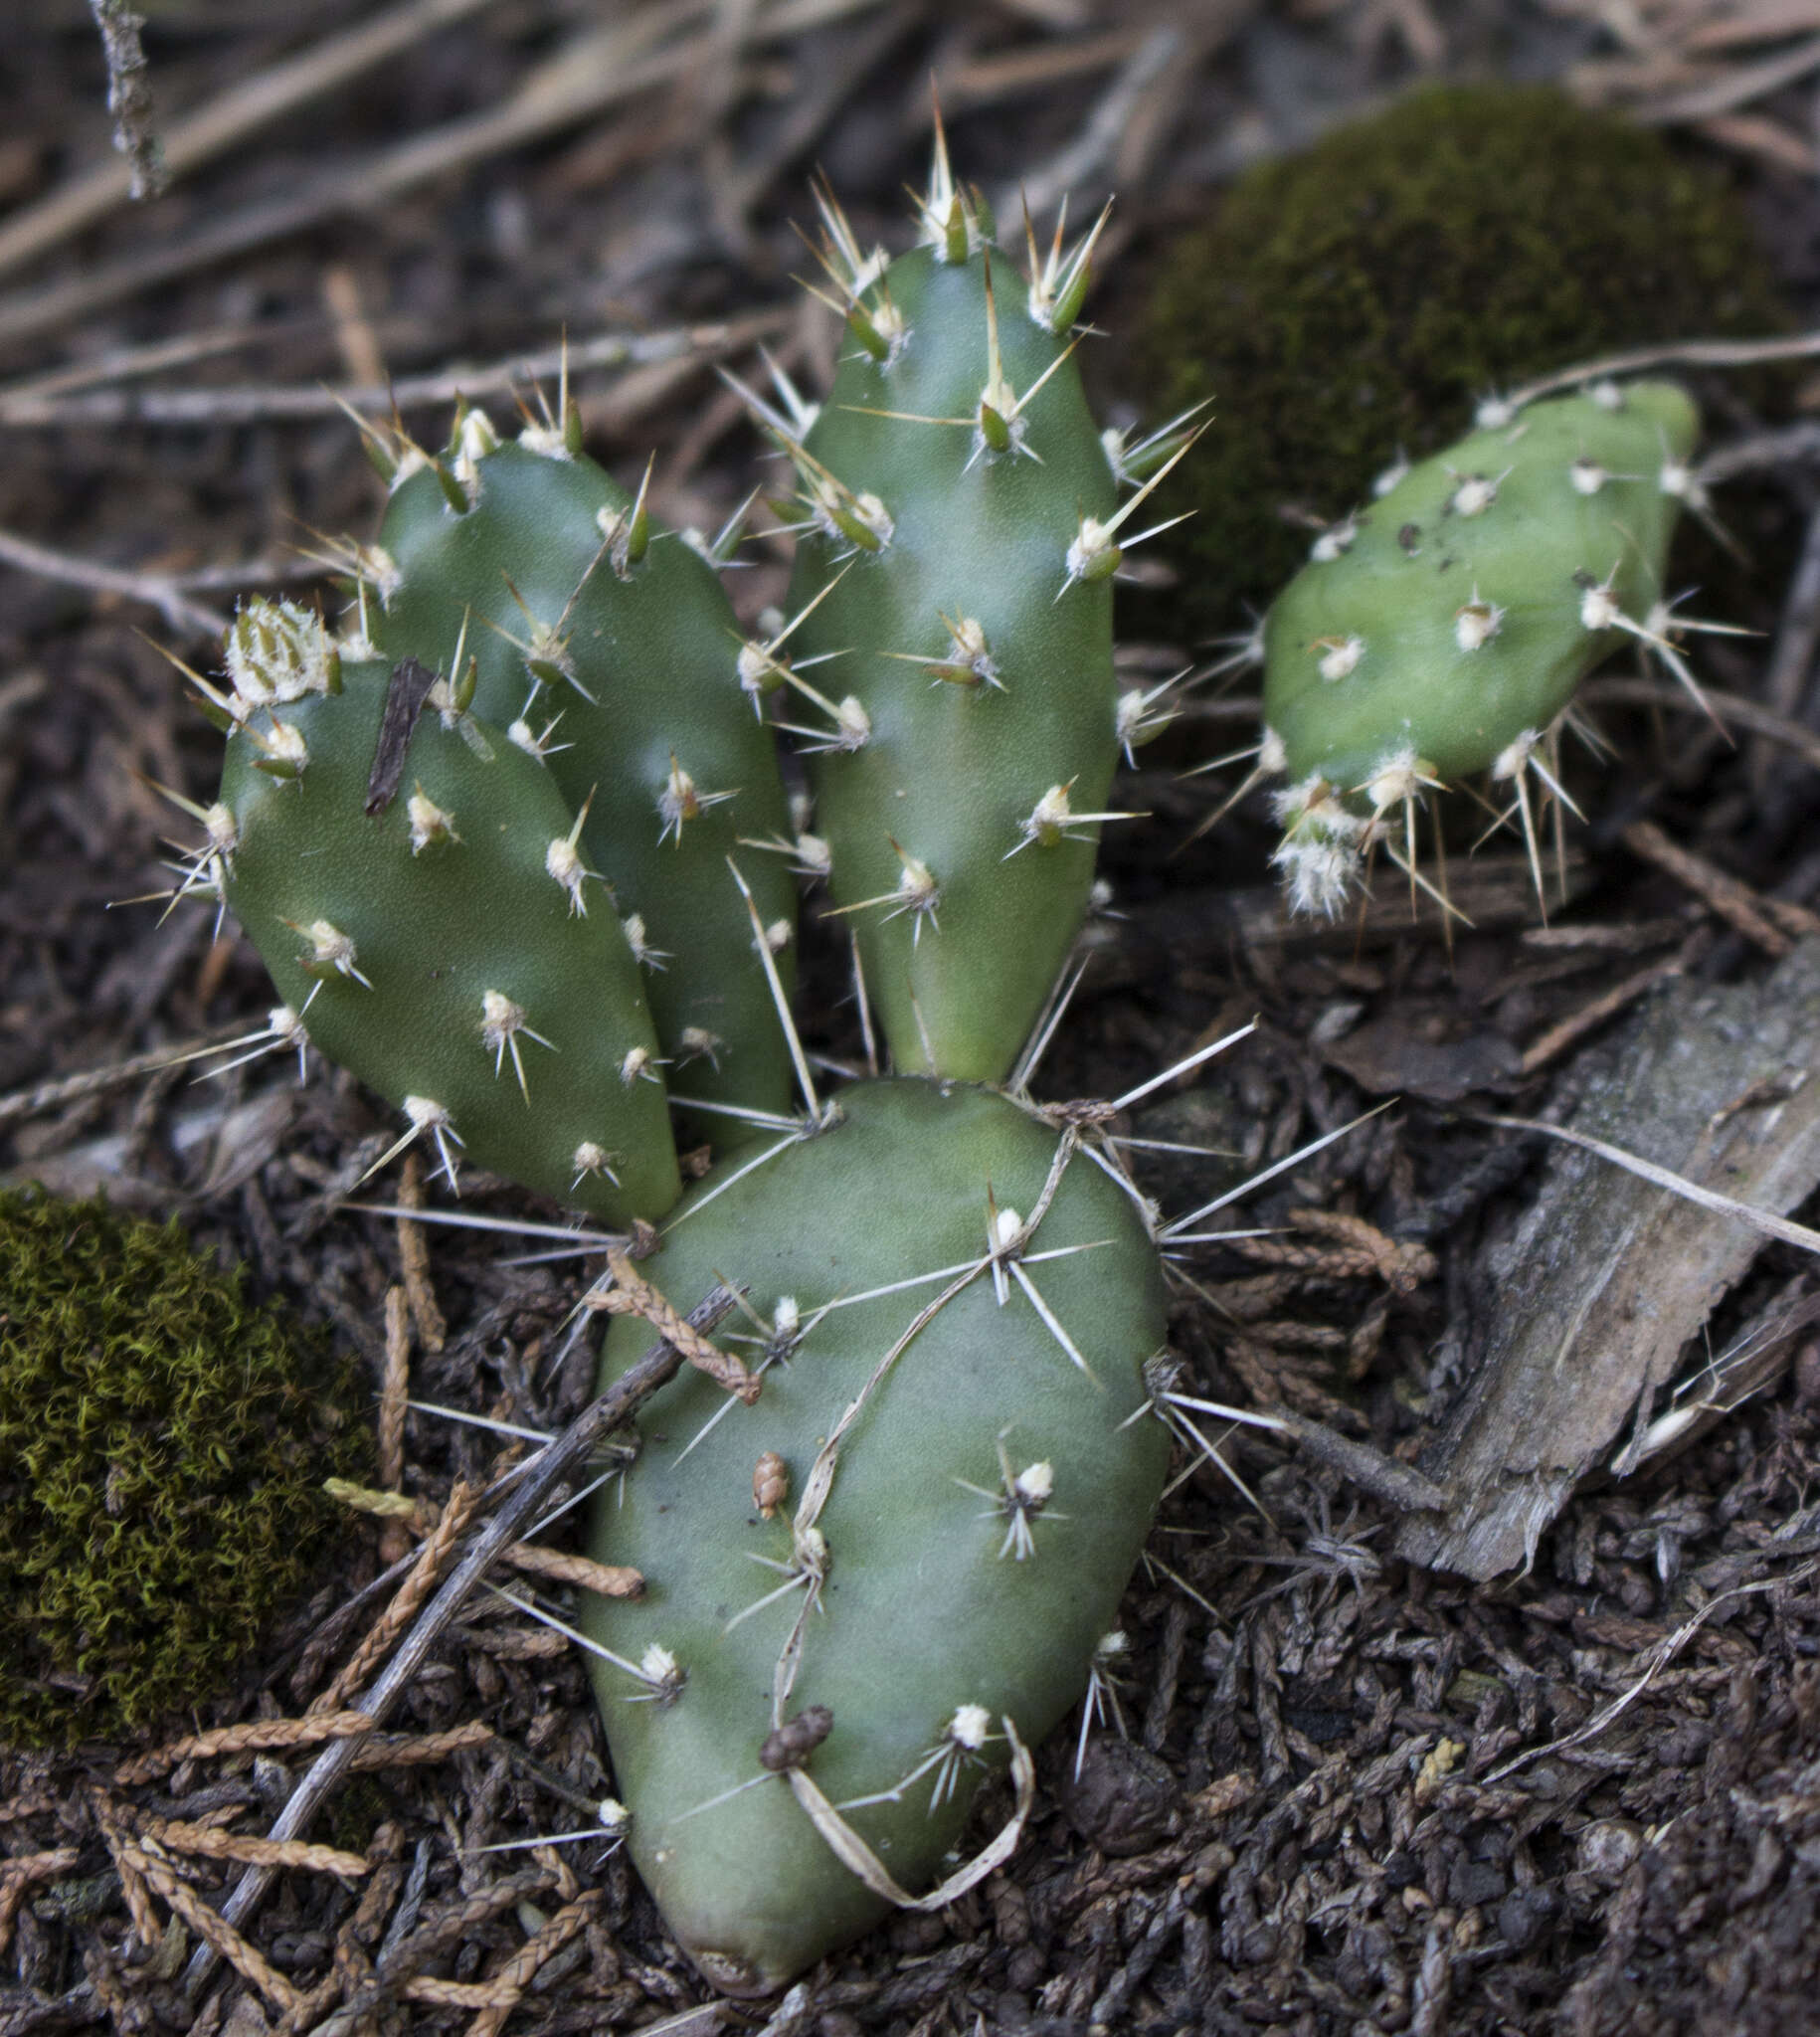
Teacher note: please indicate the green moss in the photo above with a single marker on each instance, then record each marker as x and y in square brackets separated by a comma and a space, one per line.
[162, 1449]
[1360, 298]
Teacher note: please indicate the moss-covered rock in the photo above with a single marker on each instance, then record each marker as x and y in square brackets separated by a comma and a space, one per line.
[1358, 299]
[163, 1443]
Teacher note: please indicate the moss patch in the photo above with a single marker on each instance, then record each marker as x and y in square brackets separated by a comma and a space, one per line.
[162, 1449]
[1360, 297]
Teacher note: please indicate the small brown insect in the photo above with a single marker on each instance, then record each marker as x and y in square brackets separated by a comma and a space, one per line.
[791, 1743]
[770, 1484]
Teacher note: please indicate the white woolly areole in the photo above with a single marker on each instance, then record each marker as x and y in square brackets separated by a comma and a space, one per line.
[429, 823]
[970, 1726]
[1392, 476]
[1339, 657]
[657, 1664]
[1474, 495]
[1273, 755]
[788, 1315]
[564, 863]
[1511, 760]
[1475, 624]
[1588, 475]
[1335, 542]
[425, 1113]
[1005, 1226]
[1034, 1484]
[1600, 608]
[1396, 777]
[1494, 414]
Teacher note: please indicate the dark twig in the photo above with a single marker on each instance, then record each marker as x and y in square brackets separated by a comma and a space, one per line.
[528, 1491]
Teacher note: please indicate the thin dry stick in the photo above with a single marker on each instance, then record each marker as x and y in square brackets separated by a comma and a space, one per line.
[129, 96]
[1686, 354]
[177, 609]
[1573, 1028]
[536, 1481]
[247, 109]
[1735, 708]
[63, 1089]
[255, 1734]
[1737, 904]
[261, 403]
[414, 1260]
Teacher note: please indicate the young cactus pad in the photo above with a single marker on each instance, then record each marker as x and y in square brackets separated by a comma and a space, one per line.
[436, 948]
[1442, 631]
[579, 610]
[989, 1496]
[957, 504]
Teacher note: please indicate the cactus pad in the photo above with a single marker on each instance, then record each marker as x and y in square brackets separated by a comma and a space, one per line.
[954, 1503]
[442, 947]
[1442, 631]
[949, 483]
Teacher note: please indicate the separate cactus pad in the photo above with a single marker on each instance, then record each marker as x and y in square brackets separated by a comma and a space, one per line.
[448, 946]
[918, 1530]
[1442, 631]
[958, 515]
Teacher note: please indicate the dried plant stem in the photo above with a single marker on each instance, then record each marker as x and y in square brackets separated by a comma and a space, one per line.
[129, 97]
[177, 609]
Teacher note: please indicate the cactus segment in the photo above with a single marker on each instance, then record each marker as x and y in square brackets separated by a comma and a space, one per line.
[947, 482]
[432, 946]
[577, 610]
[993, 1476]
[1443, 632]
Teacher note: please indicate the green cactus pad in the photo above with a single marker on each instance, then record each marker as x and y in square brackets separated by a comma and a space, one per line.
[980, 656]
[439, 949]
[938, 1592]
[1441, 631]
[622, 630]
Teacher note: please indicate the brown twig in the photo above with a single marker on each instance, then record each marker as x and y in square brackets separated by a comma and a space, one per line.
[177, 609]
[1736, 903]
[632, 1295]
[1569, 1031]
[1733, 708]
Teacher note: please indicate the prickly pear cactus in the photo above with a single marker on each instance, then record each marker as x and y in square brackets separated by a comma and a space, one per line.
[862, 1585]
[958, 537]
[446, 944]
[1443, 632]
[607, 644]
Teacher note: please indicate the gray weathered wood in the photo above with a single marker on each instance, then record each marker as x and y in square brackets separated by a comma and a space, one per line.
[1588, 1307]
